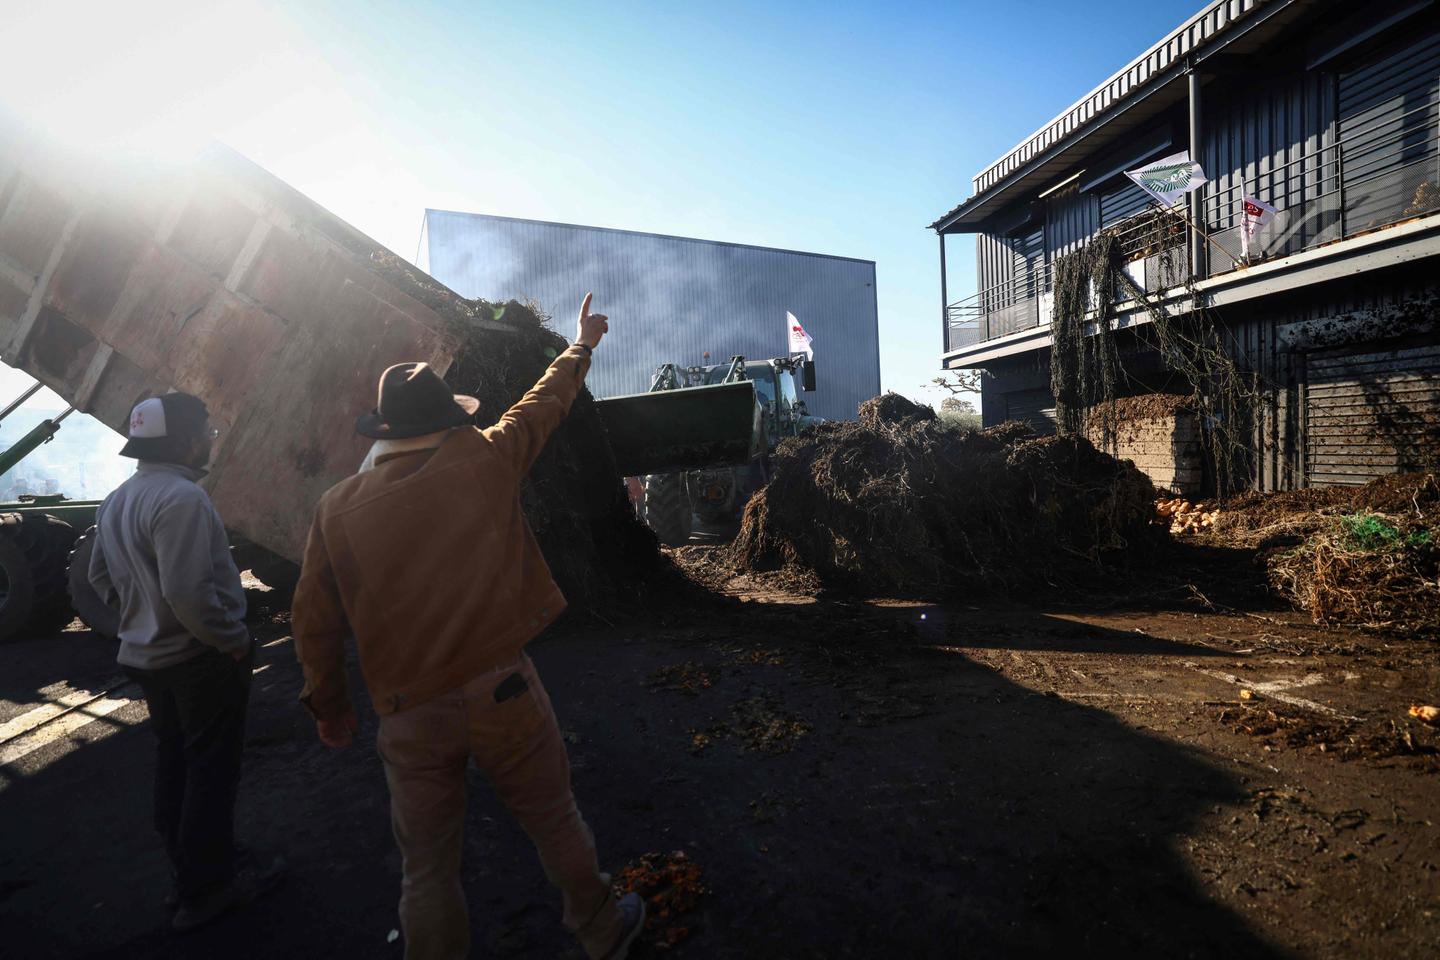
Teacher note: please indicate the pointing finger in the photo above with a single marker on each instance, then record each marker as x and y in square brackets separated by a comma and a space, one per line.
[585, 307]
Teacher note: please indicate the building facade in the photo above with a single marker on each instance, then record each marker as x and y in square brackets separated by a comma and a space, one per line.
[674, 299]
[1324, 109]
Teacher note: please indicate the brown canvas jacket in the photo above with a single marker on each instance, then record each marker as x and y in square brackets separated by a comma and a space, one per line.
[428, 562]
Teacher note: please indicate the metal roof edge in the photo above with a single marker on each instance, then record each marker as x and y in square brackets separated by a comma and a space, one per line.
[1238, 10]
[1084, 116]
[643, 233]
[958, 212]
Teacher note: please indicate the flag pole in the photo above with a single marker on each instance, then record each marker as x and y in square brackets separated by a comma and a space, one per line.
[1244, 221]
[1205, 236]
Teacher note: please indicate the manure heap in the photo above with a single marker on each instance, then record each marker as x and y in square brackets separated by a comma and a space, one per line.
[902, 503]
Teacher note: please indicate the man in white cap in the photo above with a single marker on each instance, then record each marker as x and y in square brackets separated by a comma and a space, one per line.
[162, 559]
[427, 560]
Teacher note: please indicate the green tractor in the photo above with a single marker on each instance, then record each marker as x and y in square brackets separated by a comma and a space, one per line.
[38, 536]
[699, 442]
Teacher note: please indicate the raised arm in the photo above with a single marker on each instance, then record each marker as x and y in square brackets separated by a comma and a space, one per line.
[521, 432]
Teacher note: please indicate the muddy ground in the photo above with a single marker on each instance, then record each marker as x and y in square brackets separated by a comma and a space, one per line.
[1170, 776]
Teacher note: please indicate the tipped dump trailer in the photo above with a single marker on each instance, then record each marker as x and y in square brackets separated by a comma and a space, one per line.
[119, 282]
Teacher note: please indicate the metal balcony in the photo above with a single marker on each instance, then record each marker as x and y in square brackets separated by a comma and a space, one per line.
[1371, 180]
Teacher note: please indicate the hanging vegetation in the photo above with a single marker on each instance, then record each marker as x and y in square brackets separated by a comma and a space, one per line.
[1222, 395]
[1084, 370]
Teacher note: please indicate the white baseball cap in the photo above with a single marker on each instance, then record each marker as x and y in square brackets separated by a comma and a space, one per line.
[158, 426]
[147, 420]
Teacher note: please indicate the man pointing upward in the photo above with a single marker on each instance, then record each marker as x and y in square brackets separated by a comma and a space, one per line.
[428, 560]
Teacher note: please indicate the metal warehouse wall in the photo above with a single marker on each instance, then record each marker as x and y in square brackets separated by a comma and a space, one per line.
[672, 298]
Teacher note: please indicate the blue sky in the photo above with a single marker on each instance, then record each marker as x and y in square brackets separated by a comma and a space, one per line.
[838, 128]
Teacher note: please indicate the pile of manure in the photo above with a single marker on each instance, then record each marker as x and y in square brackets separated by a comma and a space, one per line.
[892, 409]
[900, 503]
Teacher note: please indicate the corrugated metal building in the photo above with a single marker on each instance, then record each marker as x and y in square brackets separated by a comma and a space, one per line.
[1328, 110]
[673, 298]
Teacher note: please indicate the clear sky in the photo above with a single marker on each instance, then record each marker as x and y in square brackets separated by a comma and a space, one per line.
[839, 128]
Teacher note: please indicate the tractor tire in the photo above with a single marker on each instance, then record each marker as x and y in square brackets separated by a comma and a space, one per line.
[667, 508]
[102, 619]
[17, 589]
[35, 599]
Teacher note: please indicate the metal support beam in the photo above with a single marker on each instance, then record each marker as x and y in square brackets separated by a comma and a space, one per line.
[28, 444]
[98, 365]
[1196, 198]
[944, 299]
[21, 331]
[15, 404]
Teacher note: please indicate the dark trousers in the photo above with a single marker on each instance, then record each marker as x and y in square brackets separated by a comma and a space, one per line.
[197, 710]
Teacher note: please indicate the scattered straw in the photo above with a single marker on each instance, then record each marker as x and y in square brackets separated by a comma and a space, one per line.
[1366, 568]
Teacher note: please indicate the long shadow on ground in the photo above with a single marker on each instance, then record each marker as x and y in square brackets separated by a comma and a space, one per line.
[852, 795]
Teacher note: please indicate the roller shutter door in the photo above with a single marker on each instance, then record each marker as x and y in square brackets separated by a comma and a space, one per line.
[1371, 414]
[1035, 407]
[1029, 262]
[1388, 110]
[1120, 201]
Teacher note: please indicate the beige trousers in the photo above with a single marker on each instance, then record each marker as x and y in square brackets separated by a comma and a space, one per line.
[516, 743]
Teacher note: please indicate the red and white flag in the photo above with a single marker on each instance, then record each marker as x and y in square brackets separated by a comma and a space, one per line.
[1254, 214]
[800, 341]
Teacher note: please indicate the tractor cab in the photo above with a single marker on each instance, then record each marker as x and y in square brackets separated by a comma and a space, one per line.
[701, 437]
[775, 387]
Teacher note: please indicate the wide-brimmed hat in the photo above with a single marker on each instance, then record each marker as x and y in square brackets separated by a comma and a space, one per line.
[412, 402]
[161, 427]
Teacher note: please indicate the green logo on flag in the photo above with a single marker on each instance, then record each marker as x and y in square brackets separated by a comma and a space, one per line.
[1167, 178]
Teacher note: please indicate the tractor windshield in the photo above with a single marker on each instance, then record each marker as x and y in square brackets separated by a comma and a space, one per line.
[788, 396]
[763, 377]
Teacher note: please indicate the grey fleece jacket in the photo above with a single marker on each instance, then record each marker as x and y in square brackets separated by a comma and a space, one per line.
[162, 558]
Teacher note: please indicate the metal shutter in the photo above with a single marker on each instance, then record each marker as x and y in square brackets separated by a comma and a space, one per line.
[1121, 201]
[1388, 110]
[1027, 260]
[1014, 306]
[1035, 407]
[1029, 264]
[1371, 414]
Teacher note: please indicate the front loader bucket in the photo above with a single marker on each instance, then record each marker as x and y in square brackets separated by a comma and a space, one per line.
[669, 430]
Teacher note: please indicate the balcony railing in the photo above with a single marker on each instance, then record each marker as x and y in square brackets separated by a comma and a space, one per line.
[1372, 179]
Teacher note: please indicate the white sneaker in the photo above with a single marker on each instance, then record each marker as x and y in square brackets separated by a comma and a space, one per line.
[632, 915]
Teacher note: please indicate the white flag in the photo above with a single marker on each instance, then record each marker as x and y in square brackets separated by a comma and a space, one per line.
[1169, 179]
[1254, 214]
[799, 340]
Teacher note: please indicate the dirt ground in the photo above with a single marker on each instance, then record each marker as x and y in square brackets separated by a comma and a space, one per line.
[1179, 776]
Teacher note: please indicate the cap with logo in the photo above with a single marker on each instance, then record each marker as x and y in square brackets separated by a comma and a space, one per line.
[157, 426]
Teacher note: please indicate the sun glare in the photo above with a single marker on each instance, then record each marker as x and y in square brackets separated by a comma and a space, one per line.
[151, 79]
